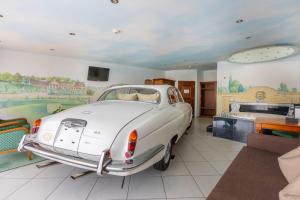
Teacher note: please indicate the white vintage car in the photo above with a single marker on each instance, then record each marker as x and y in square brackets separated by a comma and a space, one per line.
[129, 129]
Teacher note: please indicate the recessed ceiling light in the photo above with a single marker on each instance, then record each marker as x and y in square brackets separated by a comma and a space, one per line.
[73, 34]
[116, 31]
[52, 49]
[1, 16]
[263, 54]
[239, 21]
[248, 37]
[115, 1]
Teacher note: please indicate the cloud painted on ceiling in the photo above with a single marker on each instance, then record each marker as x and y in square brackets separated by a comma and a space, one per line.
[156, 33]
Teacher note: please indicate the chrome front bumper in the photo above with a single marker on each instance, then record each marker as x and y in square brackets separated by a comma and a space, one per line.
[105, 165]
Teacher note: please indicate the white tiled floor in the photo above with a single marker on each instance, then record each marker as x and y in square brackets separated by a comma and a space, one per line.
[199, 163]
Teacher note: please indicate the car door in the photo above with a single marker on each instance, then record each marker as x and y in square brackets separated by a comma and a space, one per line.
[186, 107]
[183, 109]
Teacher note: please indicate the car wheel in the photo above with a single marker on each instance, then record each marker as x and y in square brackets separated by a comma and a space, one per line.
[189, 125]
[163, 164]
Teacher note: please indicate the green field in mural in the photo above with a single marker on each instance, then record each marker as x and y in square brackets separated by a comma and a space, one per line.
[34, 97]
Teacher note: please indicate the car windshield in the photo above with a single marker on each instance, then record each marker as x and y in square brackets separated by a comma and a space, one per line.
[132, 94]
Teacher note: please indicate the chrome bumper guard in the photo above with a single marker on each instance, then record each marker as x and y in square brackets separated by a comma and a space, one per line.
[104, 166]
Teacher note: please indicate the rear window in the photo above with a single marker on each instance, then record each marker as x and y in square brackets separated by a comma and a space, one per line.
[132, 94]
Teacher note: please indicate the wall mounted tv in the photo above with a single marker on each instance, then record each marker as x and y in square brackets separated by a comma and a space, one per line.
[98, 74]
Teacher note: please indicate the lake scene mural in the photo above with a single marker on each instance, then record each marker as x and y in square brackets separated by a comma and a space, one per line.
[33, 97]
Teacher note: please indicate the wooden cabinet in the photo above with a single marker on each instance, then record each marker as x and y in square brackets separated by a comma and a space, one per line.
[148, 82]
[163, 81]
[208, 98]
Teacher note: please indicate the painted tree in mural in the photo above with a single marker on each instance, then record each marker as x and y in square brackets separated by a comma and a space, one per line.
[234, 86]
[283, 87]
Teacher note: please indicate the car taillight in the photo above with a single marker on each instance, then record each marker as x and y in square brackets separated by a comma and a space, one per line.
[131, 143]
[36, 125]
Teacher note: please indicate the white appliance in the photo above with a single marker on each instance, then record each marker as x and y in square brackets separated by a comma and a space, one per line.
[297, 111]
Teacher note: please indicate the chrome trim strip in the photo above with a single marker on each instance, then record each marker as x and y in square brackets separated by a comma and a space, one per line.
[69, 160]
[105, 164]
[70, 122]
[104, 161]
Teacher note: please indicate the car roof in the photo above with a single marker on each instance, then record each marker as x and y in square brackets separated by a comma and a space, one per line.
[162, 89]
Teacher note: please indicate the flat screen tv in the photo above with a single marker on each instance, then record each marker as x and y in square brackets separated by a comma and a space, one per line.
[98, 74]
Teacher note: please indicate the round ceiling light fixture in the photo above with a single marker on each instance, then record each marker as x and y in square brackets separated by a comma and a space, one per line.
[1, 16]
[115, 1]
[263, 54]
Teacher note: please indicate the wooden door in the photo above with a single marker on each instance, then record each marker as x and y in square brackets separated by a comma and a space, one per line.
[187, 90]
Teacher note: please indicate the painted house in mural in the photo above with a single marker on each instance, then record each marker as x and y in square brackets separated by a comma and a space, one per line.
[17, 84]
[57, 88]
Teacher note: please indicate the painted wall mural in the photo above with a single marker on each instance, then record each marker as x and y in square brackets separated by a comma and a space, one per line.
[234, 86]
[34, 97]
[273, 82]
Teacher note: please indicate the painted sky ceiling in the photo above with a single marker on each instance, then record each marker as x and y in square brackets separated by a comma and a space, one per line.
[163, 34]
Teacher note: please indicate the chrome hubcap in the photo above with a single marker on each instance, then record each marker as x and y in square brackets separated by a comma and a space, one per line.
[168, 153]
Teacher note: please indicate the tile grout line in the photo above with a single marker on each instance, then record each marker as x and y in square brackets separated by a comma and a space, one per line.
[164, 186]
[13, 192]
[194, 180]
[206, 159]
[218, 173]
[90, 192]
[128, 187]
[23, 185]
[55, 188]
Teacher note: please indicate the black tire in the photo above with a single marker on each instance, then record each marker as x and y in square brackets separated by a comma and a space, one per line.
[164, 163]
[190, 125]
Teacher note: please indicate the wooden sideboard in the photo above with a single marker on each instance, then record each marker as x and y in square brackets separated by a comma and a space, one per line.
[275, 124]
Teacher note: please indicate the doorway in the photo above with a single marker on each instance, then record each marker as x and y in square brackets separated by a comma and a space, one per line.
[208, 96]
[187, 90]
